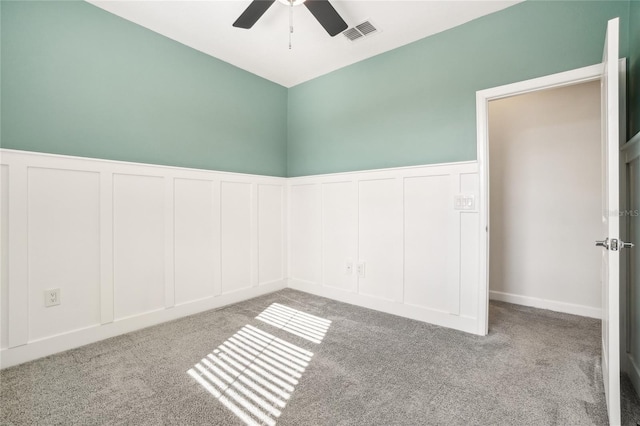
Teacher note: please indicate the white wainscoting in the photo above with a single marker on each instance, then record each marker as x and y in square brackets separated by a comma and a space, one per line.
[411, 253]
[128, 245]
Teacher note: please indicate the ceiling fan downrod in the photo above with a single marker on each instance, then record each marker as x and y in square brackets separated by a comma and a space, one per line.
[290, 21]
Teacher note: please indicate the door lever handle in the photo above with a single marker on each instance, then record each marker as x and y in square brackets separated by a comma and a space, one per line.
[615, 244]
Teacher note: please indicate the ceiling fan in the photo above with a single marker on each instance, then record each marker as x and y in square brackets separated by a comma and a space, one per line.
[320, 9]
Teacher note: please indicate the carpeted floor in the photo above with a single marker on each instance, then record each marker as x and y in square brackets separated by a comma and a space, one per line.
[535, 368]
[630, 403]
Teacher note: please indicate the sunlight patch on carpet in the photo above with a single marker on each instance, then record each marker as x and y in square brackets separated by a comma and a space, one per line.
[296, 322]
[252, 374]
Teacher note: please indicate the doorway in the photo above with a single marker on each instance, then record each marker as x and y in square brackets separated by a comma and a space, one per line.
[611, 72]
[554, 81]
[545, 199]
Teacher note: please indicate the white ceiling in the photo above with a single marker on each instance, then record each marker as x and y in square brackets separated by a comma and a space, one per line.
[205, 25]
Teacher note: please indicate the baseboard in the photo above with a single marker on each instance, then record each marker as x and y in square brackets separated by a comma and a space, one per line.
[552, 305]
[634, 372]
[74, 339]
[444, 319]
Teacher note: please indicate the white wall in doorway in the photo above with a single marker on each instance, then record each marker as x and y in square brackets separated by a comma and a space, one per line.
[545, 199]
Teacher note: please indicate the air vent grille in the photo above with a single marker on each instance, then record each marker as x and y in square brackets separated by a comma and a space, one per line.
[352, 34]
[364, 29]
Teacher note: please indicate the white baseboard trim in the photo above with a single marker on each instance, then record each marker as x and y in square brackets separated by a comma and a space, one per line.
[74, 339]
[634, 372]
[461, 323]
[552, 305]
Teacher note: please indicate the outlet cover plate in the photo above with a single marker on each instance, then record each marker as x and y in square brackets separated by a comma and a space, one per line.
[361, 269]
[52, 297]
[348, 268]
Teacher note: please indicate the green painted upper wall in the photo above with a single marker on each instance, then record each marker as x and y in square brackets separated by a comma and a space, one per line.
[77, 80]
[416, 104]
[633, 89]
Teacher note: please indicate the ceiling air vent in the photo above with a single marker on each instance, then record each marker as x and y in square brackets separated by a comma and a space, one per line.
[352, 34]
[364, 29]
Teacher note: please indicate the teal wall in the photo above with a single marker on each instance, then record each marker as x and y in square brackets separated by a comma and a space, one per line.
[77, 80]
[633, 77]
[80, 81]
[416, 104]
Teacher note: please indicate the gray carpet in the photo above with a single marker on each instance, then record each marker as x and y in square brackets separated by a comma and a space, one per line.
[535, 368]
[630, 403]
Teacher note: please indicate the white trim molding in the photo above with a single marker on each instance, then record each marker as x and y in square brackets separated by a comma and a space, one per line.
[393, 240]
[432, 278]
[483, 97]
[551, 305]
[129, 245]
[84, 336]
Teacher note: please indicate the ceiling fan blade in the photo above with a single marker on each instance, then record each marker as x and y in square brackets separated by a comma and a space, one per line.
[327, 16]
[256, 9]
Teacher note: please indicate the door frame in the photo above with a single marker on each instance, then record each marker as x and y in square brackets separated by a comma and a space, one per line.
[483, 97]
[630, 152]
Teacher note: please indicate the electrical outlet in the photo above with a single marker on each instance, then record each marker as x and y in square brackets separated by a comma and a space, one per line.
[348, 268]
[361, 269]
[52, 297]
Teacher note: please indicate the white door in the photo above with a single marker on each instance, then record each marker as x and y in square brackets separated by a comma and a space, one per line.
[611, 224]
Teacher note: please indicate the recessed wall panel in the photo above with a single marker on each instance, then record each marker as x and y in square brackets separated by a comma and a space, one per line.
[428, 212]
[138, 241]
[469, 250]
[469, 184]
[235, 205]
[63, 249]
[339, 235]
[304, 233]
[380, 238]
[469, 263]
[193, 239]
[270, 233]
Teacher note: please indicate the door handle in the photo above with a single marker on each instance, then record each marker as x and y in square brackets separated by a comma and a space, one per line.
[624, 245]
[615, 244]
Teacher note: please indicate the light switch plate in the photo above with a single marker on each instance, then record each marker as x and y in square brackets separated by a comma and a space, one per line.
[464, 202]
